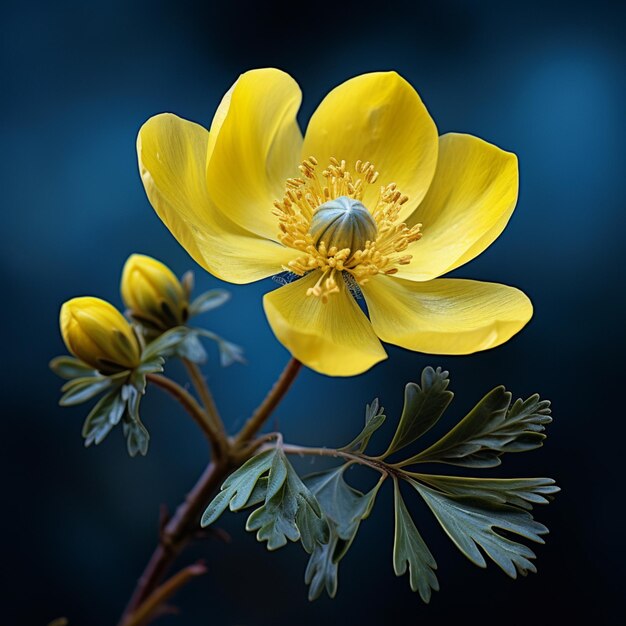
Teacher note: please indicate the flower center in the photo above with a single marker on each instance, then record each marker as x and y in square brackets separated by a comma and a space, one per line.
[342, 223]
[325, 219]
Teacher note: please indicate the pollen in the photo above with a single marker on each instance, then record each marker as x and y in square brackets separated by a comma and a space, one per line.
[323, 216]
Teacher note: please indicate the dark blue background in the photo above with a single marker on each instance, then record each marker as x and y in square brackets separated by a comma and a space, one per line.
[544, 80]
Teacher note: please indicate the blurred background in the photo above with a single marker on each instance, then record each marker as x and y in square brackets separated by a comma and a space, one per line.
[544, 80]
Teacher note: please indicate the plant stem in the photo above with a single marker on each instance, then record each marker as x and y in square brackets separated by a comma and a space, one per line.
[183, 525]
[361, 459]
[277, 392]
[190, 404]
[199, 382]
[163, 593]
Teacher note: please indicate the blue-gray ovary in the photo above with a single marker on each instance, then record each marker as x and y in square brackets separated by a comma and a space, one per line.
[343, 223]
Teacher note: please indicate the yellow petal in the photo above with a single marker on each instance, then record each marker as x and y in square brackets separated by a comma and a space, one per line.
[255, 148]
[445, 316]
[172, 161]
[333, 338]
[380, 118]
[469, 203]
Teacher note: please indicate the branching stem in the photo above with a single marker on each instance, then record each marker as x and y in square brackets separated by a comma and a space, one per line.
[182, 527]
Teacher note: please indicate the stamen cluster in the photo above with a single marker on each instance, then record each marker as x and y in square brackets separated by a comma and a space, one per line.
[305, 194]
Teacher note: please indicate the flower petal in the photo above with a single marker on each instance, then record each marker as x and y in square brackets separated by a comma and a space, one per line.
[172, 157]
[256, 147]
[469, 203]
[445, 316]
[380, 118]
[333, 338]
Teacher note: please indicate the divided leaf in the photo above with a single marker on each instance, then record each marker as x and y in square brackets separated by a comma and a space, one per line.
[374, 419]
[489, 430]
[519, 492]
[166, 344]
[238, 487]
[289, 510]
[137, 436]
[208, 301]
[409, 550]
[103, 417]
[344, 508]
[472, 522]
[423, 406]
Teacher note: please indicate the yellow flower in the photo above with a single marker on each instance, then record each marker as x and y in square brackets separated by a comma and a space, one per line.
[99, 335]
[400, 207]
[153, 294]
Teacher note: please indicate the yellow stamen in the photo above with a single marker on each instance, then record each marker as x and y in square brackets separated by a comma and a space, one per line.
[305, 194]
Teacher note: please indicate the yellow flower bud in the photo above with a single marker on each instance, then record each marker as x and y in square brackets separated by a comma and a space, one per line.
[153, 294]
[99, 335]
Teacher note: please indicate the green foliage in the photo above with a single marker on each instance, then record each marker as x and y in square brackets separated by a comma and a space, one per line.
[423, 406]
[490, 429]
[482, 516]
[120, 402]
[208, 301]
[374, 419]
[289, 511]
[344, 508]
[472, 522]
[409, 550]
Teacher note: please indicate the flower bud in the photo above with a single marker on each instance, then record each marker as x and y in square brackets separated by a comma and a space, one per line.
[99, 335]
[153, 294]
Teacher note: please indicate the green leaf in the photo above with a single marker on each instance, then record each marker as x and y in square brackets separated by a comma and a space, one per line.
[290, 511]
[166, 344]
[374, 419]
[344, 508]
[239, 487]
[423, 406]
[229, 352]
[69, 367]
[490, 429]
[192, 349]
[409, 550]
[472, 522]
[341, 503]
[103, 417]
[519, 492]
[137, 437]
[208, 301]
[80, 390]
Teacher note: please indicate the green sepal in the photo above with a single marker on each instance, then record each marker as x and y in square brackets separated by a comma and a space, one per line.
[80, 390]
[69, 367]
